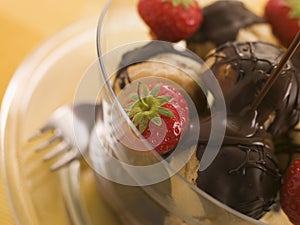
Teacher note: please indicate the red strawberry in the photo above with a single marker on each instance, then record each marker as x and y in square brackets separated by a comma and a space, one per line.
[160, 114]
[290, 193]
[284, 17]
[171, 20]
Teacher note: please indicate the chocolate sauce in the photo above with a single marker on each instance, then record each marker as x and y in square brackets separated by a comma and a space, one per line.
[242, 69]
[144, 53]
[222, 21]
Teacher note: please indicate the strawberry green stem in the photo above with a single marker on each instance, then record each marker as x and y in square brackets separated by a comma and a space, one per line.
[148, 107]
[294, 5]
[184, 3]
[139, 95]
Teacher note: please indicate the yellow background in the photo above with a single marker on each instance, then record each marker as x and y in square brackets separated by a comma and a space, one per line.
[24, 25]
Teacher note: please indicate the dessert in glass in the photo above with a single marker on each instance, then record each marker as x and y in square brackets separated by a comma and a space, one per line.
[241, 50]
[121, 183]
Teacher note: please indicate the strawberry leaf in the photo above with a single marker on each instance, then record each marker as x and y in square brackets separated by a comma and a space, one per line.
[156, 120]
[143, 123]
[137, 118]
[154, 92]
[187, 3]
[176, 2]
[166, 97]
[128, 106]
[145, 90]
[165, 112]
[134, 111]
[134, 97]
[294, 5]
[161, 100]
[184, 3]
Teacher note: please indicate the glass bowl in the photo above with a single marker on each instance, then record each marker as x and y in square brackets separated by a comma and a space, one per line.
[139, 202]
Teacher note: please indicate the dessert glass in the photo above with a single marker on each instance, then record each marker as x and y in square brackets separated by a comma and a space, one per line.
[171, 201]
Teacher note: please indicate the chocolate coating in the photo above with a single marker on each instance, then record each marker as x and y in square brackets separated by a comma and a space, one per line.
[222, 21]
[244, 177]
[245, 174]
[144, 53]
[242, 69]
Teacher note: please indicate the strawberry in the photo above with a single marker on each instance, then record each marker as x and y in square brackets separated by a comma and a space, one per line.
[290, 193]
[284, 17]
[171, 20]
[160, 114]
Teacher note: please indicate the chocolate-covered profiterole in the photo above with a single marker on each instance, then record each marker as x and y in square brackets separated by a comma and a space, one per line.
[228, 21]
[144, 53]
[242, 69]
[245, 173]
[244, 177]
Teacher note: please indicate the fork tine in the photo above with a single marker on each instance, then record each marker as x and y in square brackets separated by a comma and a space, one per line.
[65, 159]
[48, 142]
[57, 135]
[41, 132]
[64, 146]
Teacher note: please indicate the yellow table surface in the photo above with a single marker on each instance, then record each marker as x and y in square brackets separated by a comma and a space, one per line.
[24, 25]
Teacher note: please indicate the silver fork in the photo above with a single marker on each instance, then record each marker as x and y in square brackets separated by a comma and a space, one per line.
[68, 131]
